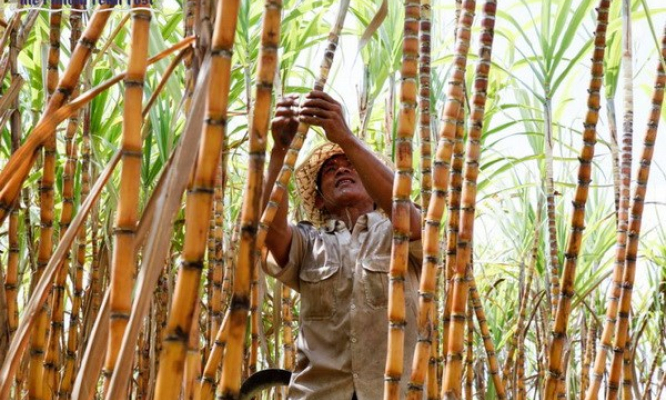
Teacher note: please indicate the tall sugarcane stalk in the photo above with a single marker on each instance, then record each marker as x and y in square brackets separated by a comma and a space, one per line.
[558, 337]
[450, 115]
[45, 375]
[469, 353]
[198, 204]
[424, 104]
[217, 262]
[635, 217]
[622, 217]
[553, 259]
[124, 258]
[11, 279]
[401, 215]
[250, 213]
[588, 357]
[65, 388]
[451, 387]
[452, 227]
[280, 186]
[432, 388]
[288, 350]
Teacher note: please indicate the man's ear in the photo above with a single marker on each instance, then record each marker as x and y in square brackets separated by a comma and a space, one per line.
[319, 201]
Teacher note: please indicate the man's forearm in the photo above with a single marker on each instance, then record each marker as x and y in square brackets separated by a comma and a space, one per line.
[278, 239]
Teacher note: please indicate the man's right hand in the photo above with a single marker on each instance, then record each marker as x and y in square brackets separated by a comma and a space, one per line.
[285, 122]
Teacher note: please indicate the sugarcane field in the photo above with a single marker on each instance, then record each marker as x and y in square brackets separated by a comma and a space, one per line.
[344, 200]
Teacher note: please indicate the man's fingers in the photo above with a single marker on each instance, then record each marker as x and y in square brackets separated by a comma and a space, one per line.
[316, 112]
[284, 112]
[312, 120]
[318, 94]
[320, 103]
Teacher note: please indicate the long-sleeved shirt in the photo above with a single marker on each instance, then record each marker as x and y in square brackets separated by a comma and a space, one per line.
[343, 281]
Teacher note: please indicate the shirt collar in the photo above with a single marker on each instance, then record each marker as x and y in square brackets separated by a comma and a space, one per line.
[369, 220]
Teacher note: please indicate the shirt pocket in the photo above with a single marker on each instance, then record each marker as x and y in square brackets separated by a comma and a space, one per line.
[375, 281]
[318, 292]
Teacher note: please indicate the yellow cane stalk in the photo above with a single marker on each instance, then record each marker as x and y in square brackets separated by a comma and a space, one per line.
[555, 362]
[240, 299]
[424, 104]
[401, 215]
[469, 354]
[622, 225]
[440, 174]
[46, 375]
[635, 217]
[452, 381]
[198, 205]
[124, 260]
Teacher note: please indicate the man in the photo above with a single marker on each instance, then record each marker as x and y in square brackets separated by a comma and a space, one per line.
[339, 260]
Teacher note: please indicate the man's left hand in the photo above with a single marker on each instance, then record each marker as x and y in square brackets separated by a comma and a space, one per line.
[320, 109]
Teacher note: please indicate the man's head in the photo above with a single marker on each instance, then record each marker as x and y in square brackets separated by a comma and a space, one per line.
[339, 186]
[324, 190]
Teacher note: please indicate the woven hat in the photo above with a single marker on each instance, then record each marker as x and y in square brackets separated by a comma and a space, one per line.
[306, 179]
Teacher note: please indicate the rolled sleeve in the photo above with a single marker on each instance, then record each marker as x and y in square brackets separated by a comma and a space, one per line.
[299, 244]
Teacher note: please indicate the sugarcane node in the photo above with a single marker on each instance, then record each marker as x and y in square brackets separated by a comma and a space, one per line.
[201, 189]
[221, 52]
[142, 14]
[118, 315]
[192, 265]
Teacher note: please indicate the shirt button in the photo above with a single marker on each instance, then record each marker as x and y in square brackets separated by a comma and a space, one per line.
[353, 340]
[355, 375]
[353, 307]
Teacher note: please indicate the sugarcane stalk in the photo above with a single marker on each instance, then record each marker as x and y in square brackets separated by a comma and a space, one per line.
[288, 350]
[452, 226]
[622, 217]
[401, 214]
[250, 213]
[451, 387]
[424, 105]
[558, 337]
[218, 251]
[208, 380]
[553, 259]
[469, 354]
[67, 380]
[11, 279]
[124, 258]
[587, 357]
[627, 367]
[198, 204]
[255, 319]
[192, 359]
[450, 115]
[635, 217]
[280, 186]
[45, 375]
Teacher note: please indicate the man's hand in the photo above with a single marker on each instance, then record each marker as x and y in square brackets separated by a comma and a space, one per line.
[320, 109]
[285, 122]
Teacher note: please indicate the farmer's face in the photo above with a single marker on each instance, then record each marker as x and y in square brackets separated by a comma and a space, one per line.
[340, 185]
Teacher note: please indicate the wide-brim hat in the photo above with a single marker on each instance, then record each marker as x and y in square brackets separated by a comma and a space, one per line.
[305, 176]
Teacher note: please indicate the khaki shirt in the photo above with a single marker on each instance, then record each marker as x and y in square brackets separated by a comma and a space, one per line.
[343, 280]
